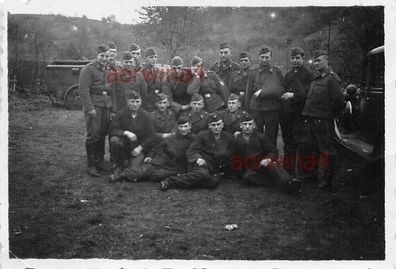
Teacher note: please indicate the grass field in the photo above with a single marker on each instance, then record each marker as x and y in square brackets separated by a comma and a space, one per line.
[57, 211]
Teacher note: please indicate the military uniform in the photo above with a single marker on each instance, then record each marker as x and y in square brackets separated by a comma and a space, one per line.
[225, 70]
[95, 94]
[142, 126]
[164, 122]
[265, 107]
[168, 159]
[324, 100]
[152, 76]
[297, 82]
[231, 120]
[199, 120]
[215, 152]
[213, 90]
[238, 82]
[175, 87]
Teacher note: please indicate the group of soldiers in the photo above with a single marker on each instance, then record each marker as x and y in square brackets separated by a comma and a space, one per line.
[186, 127]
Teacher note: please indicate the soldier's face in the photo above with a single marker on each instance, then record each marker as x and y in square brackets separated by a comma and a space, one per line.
[245, 62]
[113, 55]
[196, 68]
[233, 105]
[216, 127]
[265, 59]
[152, 59]
[134, 104]
[321, 63]
[184, 128]
[297, 60]
[136, 53]
[196, 106]
[103, 58]
[162, 105]
[225, 54]
[127, 64]
[177, 69]
[248, 126]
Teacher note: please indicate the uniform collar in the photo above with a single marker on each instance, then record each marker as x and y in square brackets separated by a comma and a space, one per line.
[270, 69]
[323, 73]
[99, 65]
[227, 64]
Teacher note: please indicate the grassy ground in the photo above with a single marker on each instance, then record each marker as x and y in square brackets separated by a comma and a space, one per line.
[57, 211]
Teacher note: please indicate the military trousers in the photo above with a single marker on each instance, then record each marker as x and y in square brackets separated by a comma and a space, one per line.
[196, 177]
[121, 148]
[269, 119]
[150, 172]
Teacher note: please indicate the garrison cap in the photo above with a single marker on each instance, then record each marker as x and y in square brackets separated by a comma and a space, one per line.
[246, 117]
[296, 51]
[149, 52]
[160, 97]
[214, 118]
[134, 47]
[318, 53]
[127, 56]
[132, 94]
[183, 120]
[102, 48]
[264, 50]
[112, 45]
[244, 54]
[195, 60]
[196, 97]
[176, 61]
[233, 96]
[224, 45]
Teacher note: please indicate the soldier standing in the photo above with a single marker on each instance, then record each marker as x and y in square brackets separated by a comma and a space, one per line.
[297, 80]
[175, 85]
[264, 88]
[96, 98]
[238, 80]
[324, 100]
[224, 66]
[151, 75]
[136, 53]
[209, 85]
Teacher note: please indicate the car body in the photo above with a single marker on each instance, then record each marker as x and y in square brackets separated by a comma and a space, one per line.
[361, 127]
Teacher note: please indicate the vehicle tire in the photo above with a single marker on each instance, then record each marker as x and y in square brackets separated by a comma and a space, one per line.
[72, 99]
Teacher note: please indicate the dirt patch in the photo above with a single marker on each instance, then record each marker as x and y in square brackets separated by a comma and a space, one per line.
[57, 211]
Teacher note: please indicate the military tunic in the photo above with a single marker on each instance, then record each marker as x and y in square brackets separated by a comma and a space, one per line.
[238, 83]
[153, 77]
[224, 70]
[175, 87]
[198, 120]
[164, 122]
[232, 121]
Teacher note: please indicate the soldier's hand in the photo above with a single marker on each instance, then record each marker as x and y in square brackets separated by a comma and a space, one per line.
[136, 151]
[200, 162]
[256, 93]
[165, 135]
[185, 107]
[147, 160]
[265, 162]
[287, 95]
[130, 135]
[112, 115]
[237, 133]
[92, 113]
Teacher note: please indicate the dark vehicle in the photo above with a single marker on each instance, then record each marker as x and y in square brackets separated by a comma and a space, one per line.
[361, 127]
[62, 81]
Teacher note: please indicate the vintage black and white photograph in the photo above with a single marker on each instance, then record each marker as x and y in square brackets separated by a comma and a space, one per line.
[235, 132]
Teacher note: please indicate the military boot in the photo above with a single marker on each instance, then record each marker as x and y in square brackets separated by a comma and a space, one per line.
[91, 158]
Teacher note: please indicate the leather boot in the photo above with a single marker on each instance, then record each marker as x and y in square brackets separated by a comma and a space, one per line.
[91, 158]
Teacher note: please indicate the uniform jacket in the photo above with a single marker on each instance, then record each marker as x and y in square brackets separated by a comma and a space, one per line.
[297, 82]
[272, 84]
[259, 145]
[128, 80]
[142, 126]
[164, 122]
[232, 121]
[171, 152]
[175, 87]
[224, 71]
[238, 82]
[213, 151]
[199, 120]
[213, 90]
[92, 87]
[325, 97]
[153, 77]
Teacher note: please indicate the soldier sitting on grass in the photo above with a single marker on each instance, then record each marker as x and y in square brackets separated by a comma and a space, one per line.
[168, 158]
[254, 159]
[208, 156]
[164, 118]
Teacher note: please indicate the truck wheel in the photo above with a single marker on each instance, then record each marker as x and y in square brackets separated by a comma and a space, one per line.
[72, 99]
